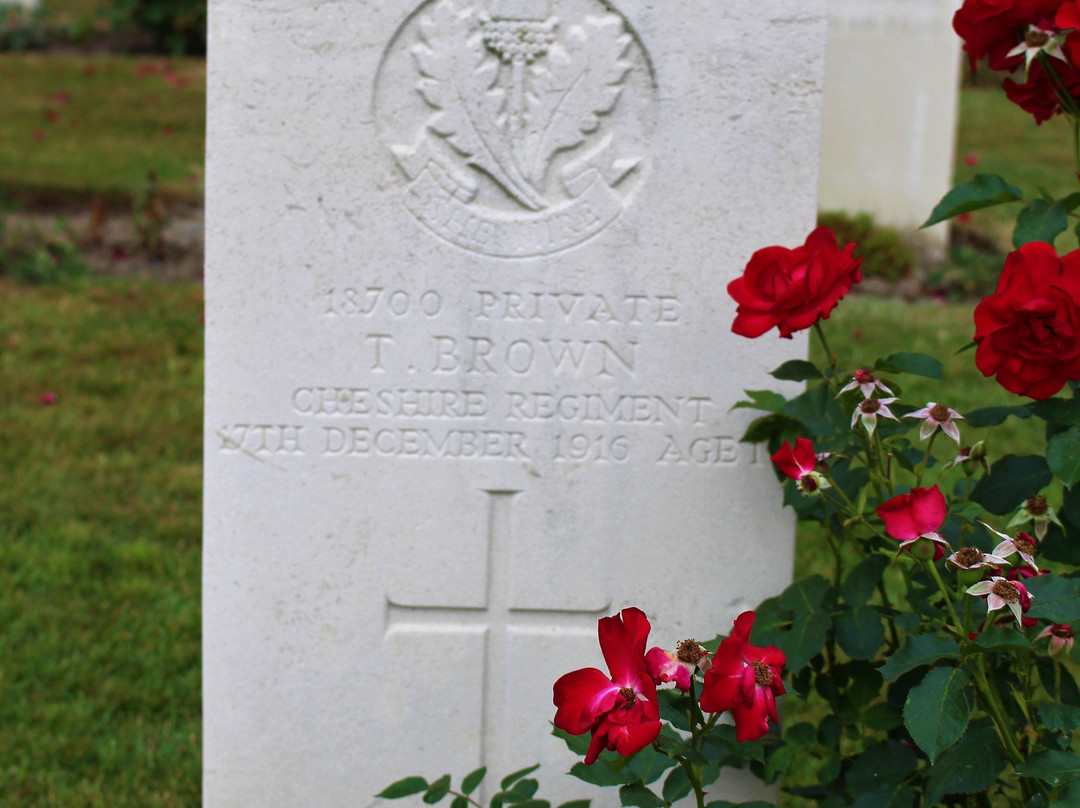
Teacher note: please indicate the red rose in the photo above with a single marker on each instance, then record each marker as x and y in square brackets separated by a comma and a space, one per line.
[1028, 331]
[1036, 95]
[992, 27]
[793, 289]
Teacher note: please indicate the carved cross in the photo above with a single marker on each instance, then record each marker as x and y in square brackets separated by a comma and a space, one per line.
[497, 620]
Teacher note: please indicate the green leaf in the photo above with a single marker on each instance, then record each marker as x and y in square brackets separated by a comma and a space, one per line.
[639, 795]
[676, 747]
[512, 778]
[460, 802]
[797, 370]
[762, 400]
[1054, 598]
[576, 804]
[772, 619]
[805, 640]
[897, 796]
[1065, 411]
[819, 411]
[526, 788]
[801, 734]
[1052, 766]
[999, 638]
[937, 710]
[472, 780]
[770, 426]
[578, 744]
[780, 762]
[807, 594]
[676, 785]
[994, 416]
[751, 804]
[860, 584]
[404, 788]
[882, 765]
[829, 769]
[829, 731]
[1063, 456]
[922, 649]
[984, 191]
[1040, 220]
[437, 790]
[530, 803]
[724, 735]
[860, 632]
[1012, 480]
[882, 717]
[1070, 202]
[917, 364]
[1062, 718]
[969, 767]
[600, 775]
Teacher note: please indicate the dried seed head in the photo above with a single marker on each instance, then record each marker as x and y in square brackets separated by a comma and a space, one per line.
[690, 652]
[763, 674]
[1007, 591]
[1036, 39]
[968, 557]
[939, 412]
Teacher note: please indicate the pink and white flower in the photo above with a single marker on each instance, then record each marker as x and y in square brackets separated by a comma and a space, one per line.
[937, 416]
[1041, 38]
[677, 666]
[869, 410]
[867, 382]
[1061, 638]
[1000, 592]
[1024, 544]
[1037, 511]
[972, 558]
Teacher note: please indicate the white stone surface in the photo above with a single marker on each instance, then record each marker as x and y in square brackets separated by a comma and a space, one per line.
[431, 467]
[892, 79]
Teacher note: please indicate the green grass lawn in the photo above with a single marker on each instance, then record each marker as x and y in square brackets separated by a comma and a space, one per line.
[1007, 142]
[100, 525]
[100, 528]
[79, 126]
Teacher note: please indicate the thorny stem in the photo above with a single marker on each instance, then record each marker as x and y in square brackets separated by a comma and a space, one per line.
[828, 352]
[890, 624]
[695, 780]
[929, 565]
[926, 458]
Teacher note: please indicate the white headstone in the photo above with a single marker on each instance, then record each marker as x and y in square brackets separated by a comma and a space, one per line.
[892, 80]
[469, 366]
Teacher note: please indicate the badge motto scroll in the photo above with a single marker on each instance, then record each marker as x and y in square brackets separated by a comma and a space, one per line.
[522, 106]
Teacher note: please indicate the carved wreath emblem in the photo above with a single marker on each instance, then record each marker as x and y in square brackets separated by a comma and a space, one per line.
[518, 129]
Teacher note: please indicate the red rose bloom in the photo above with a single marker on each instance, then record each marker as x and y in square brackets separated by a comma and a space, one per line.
[1028, 331]
[914, 516]
[1036, 95]
[992, 27]
[793, 289]
[621, 711]
[746, 680]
